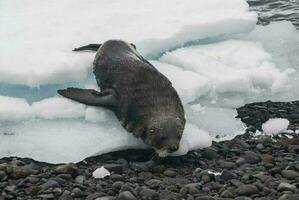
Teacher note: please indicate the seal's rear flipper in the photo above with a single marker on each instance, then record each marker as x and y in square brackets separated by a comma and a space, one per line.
[90, 97]
[91, 47]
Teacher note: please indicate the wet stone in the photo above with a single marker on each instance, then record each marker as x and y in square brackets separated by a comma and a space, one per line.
[77, 192]
[126, 196]
[50, 184]
[247, 189]
[209, 154]
[117, 168]
[153, 183]
[67, 169]
[170, 173]
[148, 194]
[289, 174]
[286, 187]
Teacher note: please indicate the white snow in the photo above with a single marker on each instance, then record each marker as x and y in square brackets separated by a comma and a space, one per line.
[207, 49]
[37, 37]
[101, 172]
[14, 109]
[275, 126]
[58, 107]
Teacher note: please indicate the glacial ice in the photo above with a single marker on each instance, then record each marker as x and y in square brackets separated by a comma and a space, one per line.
[36, 41]
[211, 54]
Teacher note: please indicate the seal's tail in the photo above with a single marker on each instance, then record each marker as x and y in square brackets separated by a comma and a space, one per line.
[90, 47]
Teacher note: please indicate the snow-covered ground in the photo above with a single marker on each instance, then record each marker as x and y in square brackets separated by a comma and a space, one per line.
[213, 53]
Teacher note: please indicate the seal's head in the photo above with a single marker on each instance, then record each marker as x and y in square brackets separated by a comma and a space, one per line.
[164, 135]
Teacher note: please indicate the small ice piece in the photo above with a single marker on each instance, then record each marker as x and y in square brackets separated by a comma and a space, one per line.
[58, 108]
[275, 126]
[14, 109]
[215, 173]
[101, 172]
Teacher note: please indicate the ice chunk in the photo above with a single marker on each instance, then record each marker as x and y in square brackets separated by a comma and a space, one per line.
[72, 140]
[232, 67]
[14, 110]
[58, 108]
[101, 172]
[281, 40]
[216, 120]
[36, 47]
[275, 126]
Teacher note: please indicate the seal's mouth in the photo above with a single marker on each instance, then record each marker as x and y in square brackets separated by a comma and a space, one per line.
[162, 153]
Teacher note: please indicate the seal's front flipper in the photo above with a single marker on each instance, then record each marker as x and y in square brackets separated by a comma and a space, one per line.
[90, 97]
[91, 47]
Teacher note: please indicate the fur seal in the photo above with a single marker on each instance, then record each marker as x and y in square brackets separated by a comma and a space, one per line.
[141, 97]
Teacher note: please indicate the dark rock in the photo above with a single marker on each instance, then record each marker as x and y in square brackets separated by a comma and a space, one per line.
[126, 196]
[227, 175]
[67, 169]
[49, 184]
[116, 177]
[226, 194]
[204, 198]
[148, 194]
[241, 161]
[95, 195]
[145, 175]
[209, 153]
[117, 185]
[153, 183]
[170, 173]
[247, 189]
[3, 176]
[106, 198]
[289, 174]
[227, 165]
[80, 179]
[286, 187]
[191, 188]
[18, 169]
[252, 157]
[117, 168]
[77, 192]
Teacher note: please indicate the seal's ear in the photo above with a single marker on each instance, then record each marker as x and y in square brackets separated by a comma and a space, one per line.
[133, 46]
[90, 97]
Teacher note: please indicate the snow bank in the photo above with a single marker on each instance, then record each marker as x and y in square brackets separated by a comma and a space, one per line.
[36, 43]
[275, 126]
[14, 109]
[58, 141]
[231, 66]
[58, 108]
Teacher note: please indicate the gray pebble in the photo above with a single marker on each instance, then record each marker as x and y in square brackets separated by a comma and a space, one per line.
[126, 196]
[49, 184]
[153, 183]
[170, 173]
[289, 174]
[148, 194]
[77, 192]
[247, 189]
[286, 187]
[70, 168]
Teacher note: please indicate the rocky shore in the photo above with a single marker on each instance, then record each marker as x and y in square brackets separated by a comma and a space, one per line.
[247, 167]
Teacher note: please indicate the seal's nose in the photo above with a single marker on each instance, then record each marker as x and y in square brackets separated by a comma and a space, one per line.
[172, 148]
